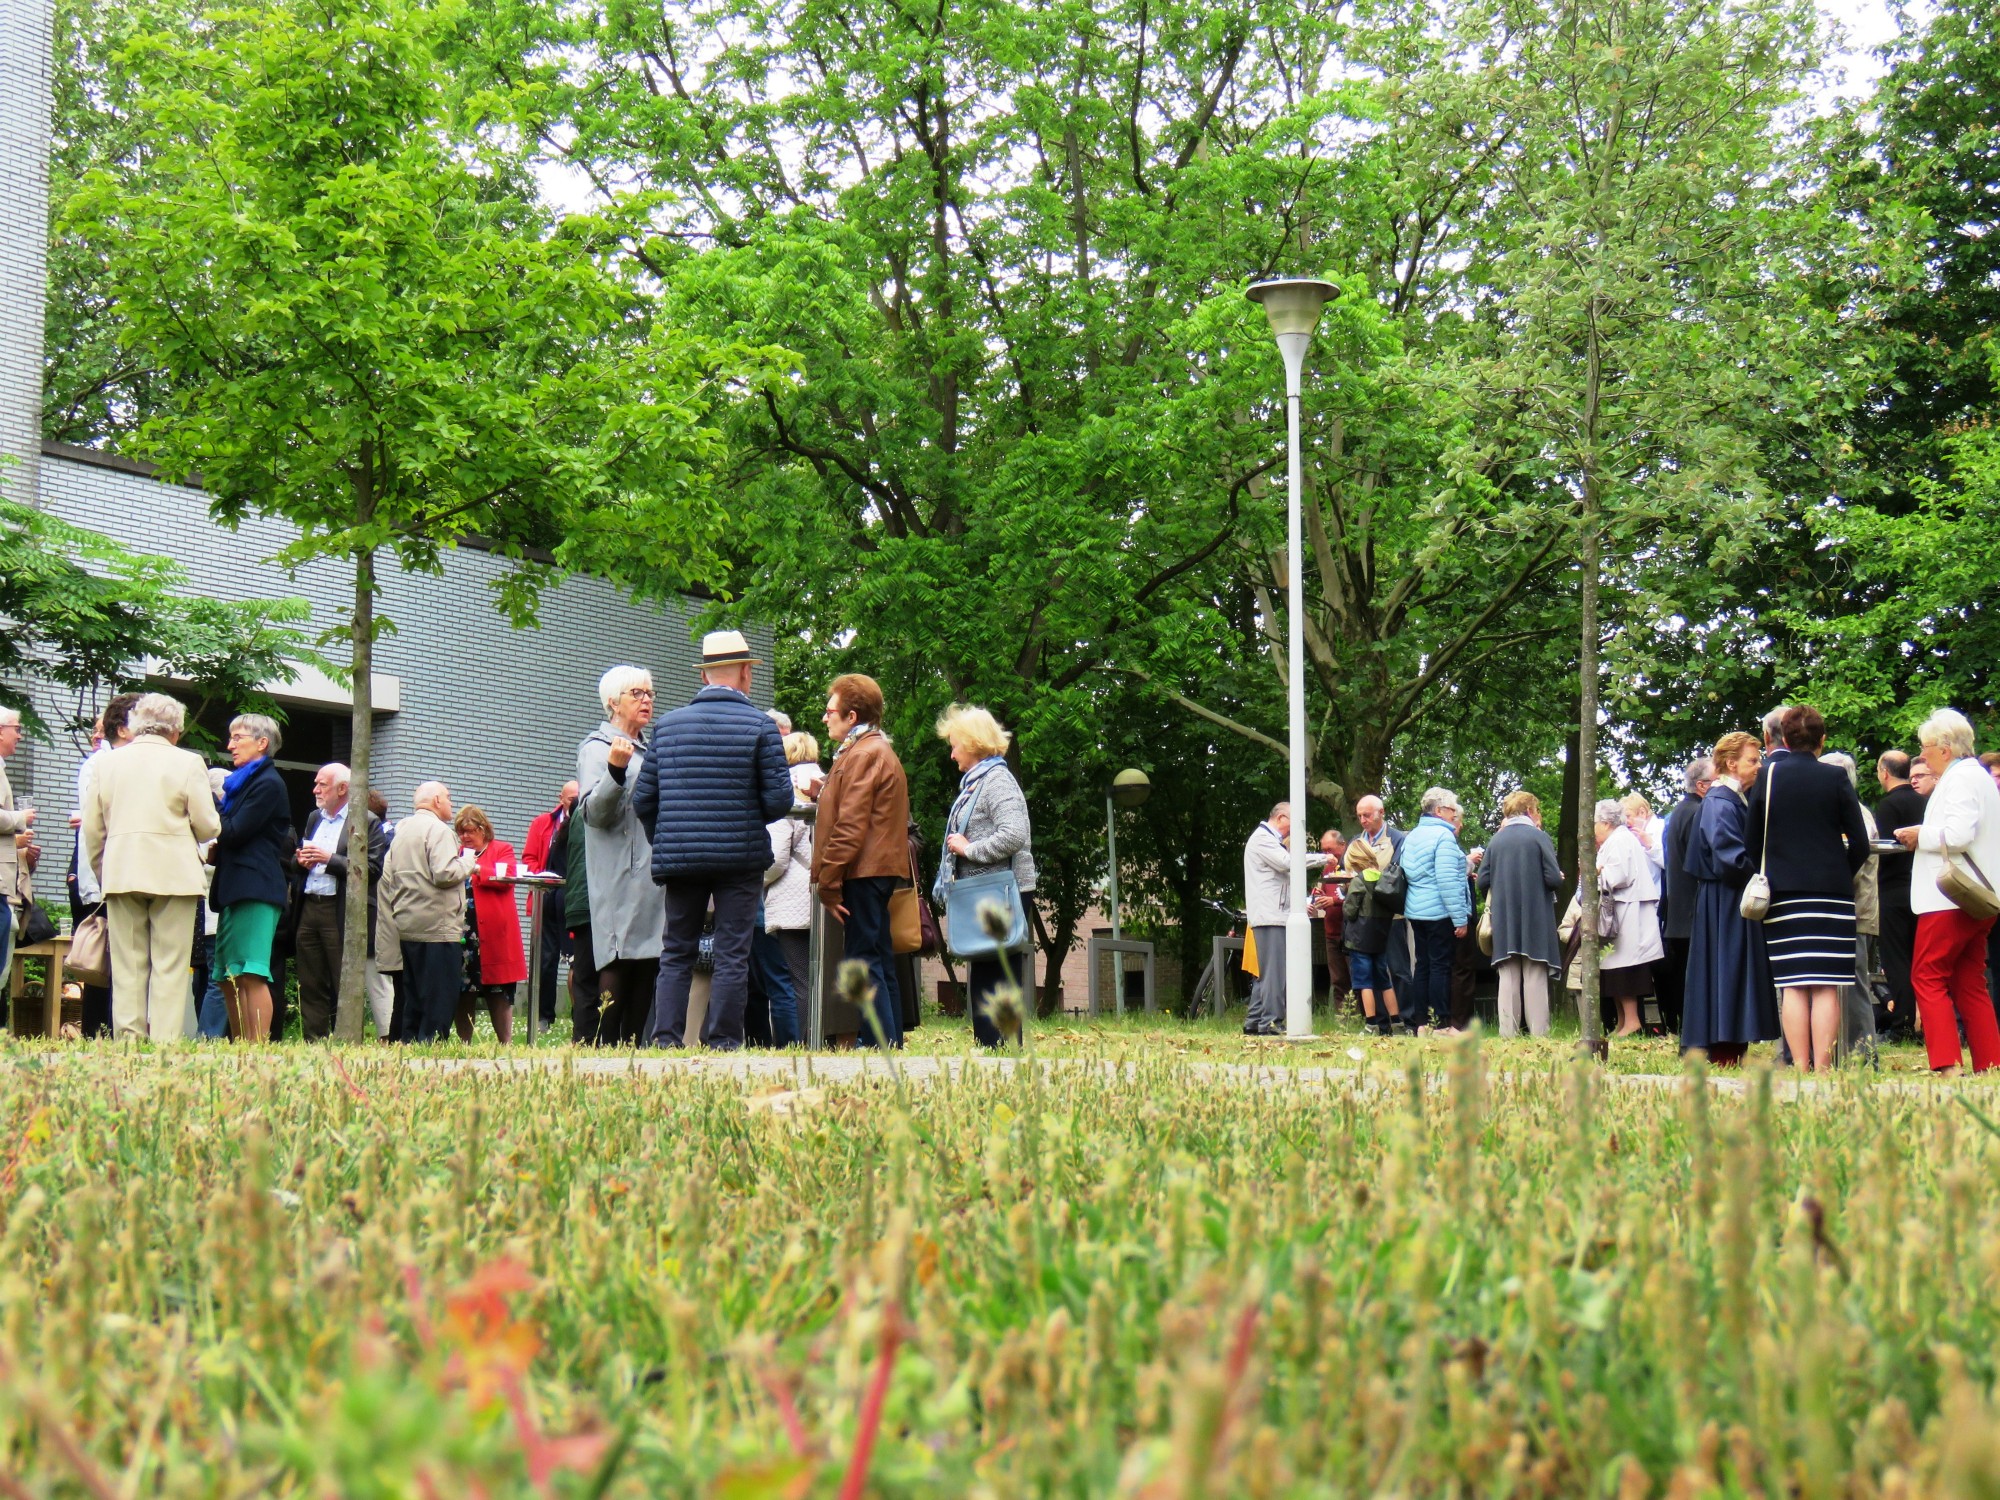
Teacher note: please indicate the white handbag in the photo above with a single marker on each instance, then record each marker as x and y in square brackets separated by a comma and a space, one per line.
[1756, 902]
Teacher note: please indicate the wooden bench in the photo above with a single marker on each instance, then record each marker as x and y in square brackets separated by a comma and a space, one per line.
[56, 951]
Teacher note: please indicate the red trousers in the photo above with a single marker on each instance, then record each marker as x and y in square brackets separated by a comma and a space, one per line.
[1948, 972]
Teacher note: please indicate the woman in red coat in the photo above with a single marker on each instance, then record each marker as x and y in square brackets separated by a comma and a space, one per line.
[495, 962]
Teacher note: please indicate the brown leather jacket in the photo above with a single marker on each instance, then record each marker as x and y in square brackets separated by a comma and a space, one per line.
[862, 828]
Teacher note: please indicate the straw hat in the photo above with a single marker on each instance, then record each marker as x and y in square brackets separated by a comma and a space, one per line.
[726, 648]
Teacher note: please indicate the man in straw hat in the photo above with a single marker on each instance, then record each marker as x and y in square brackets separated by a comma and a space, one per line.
[716, 777]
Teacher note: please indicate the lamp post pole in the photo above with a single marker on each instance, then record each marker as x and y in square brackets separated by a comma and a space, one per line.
[1293, 308]
[1111, 838]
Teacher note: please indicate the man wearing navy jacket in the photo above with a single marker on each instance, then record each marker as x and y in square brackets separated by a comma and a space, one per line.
[715, 778]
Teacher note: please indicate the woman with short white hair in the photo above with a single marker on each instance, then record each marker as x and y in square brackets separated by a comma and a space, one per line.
[1962, 824]
[1625, 879]
[627, 912]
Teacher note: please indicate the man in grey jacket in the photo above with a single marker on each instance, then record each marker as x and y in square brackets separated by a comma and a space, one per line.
[1267, 897]
[422, 899]
[627, 911]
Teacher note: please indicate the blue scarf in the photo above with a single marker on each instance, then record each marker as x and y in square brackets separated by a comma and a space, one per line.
[235, 781]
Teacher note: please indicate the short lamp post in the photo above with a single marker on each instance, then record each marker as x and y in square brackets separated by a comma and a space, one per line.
[1293, 309]
[1128, 789]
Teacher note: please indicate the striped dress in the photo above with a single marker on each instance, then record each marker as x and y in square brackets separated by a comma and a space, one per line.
[1810, 940]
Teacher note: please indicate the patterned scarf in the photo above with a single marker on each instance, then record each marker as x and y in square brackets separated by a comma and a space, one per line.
[853, 737]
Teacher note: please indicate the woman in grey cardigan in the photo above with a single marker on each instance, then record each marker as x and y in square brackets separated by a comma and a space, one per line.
[1521, 872]
[627, 912]
[986, 829]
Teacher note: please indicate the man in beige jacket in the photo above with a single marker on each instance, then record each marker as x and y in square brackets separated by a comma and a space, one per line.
[148, 811]
[422, 901]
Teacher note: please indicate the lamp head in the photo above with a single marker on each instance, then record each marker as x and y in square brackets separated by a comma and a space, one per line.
[1130, 788]
[1293, 306]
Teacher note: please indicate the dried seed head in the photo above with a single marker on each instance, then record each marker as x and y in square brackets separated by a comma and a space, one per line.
[995, 920]
[1005, 1010]
[854, 986]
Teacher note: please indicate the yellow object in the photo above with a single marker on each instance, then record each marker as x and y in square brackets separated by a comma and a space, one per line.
[1250, 951]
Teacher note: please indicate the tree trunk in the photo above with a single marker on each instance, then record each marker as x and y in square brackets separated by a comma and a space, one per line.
[1586, 764]
[353, 1000]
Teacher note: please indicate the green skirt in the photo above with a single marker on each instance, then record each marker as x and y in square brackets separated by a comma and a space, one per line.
[244, 933]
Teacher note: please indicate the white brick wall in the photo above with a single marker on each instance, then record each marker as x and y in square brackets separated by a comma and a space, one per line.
[495, 713]
[25, 106]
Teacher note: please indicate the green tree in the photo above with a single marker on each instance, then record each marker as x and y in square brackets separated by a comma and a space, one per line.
[1648, 317]
[1022, 458]
[83, 613]
[362, 320]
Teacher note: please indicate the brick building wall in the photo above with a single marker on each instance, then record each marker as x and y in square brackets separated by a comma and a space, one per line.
[495, 713]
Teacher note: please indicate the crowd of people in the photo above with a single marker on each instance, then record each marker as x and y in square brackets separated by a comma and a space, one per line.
[697, 841]
[1760, 908]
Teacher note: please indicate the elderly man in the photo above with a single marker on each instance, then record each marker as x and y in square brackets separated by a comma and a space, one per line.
[626, 916]
[1437, 904]
[423, 895]
[1923, 780]
[1386, 840]
[1267, 899]
[716, 777]
[148, 813]
[1681, 888]
[319, 907]
[547, 848]
[1902, 806]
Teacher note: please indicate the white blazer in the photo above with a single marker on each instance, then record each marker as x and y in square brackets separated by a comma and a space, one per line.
[1963, 816]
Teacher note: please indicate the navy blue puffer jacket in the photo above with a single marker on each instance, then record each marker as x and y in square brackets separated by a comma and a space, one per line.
[714, 775]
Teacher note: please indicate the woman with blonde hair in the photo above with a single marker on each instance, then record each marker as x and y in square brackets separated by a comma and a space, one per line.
[987, 830]
[802, 755]
[1521, 872]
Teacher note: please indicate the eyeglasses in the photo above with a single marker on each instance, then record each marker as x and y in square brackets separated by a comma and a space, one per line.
[639, 693]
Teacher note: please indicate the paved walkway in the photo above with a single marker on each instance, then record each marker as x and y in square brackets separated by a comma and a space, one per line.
[804, 1070]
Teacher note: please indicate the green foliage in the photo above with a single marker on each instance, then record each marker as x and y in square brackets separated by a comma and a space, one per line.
[367, 324]
[83, 614]
[1061, 1282]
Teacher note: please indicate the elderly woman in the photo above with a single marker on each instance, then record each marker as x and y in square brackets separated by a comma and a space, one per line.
[1729, 1001]
[1625, 878]
[146, 813]
[497, 963]
[1521, 872]
[251, 855]
[1962, 823]
[1437, 903]
[784, 946]
[1806, 833]
[802, 755]
[627, 912]
[1647, 830]
[986, 830]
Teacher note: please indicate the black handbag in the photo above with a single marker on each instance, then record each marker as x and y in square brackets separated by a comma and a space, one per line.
[36, 924]
[1393, 887]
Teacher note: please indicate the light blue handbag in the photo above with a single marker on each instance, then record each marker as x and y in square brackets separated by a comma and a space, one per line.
[962, 896]
[964, 932]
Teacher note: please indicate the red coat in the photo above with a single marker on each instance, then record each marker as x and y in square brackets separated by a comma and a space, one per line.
[501, 960]
[541, 833]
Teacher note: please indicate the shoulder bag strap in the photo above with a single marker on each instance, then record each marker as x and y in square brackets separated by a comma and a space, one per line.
[1770, 795]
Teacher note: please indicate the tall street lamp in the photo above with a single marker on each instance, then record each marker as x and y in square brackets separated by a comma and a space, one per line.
[1127, 789]
[1293, 309]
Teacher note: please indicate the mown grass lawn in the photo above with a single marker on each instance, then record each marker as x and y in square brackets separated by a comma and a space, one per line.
[1480, 1270]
